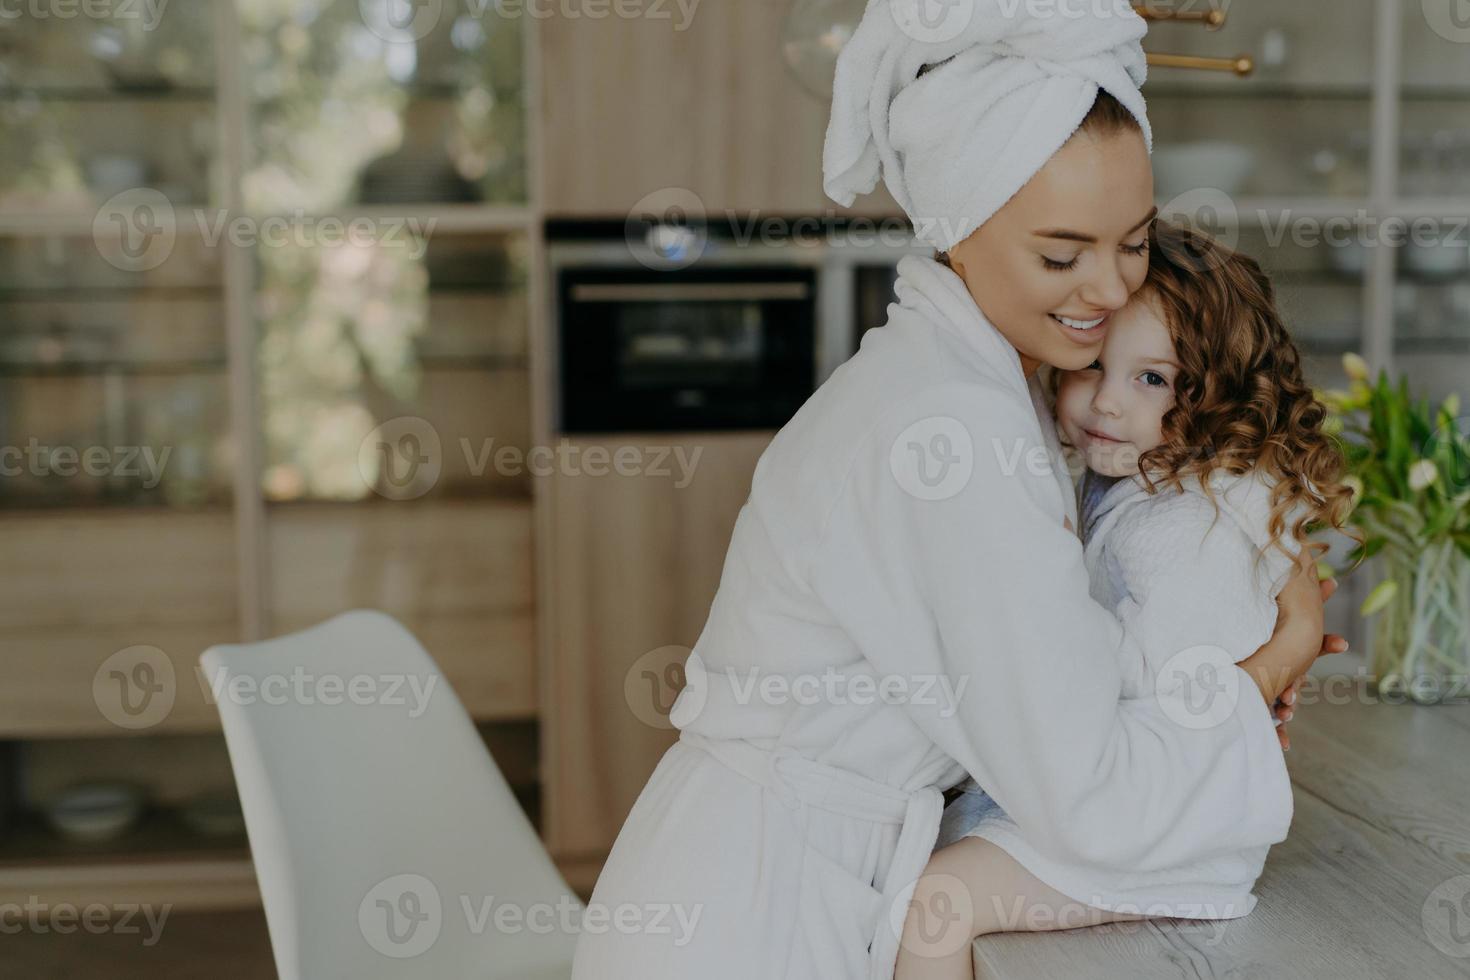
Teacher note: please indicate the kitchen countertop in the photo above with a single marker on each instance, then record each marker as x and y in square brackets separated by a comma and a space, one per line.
[1373, 881]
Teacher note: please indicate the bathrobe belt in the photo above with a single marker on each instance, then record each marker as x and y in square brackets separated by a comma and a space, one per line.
[795, 779]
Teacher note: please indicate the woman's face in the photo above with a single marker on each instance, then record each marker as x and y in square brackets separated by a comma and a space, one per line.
[1113, 410]
[1049, 267]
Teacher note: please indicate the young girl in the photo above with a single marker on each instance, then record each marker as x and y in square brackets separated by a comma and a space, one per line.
[1206, 464]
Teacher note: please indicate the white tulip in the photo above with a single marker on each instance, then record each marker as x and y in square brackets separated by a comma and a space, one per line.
[1422, 474]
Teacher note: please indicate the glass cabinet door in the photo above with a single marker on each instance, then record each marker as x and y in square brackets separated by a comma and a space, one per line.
[396, 414]
[91, 106]
[116, 467]
[392, 359]
[1298, 125]
[1434, 140]
[382, 102]
[1431, 326]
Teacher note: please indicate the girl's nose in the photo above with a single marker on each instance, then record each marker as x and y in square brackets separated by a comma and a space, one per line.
[1103, 400]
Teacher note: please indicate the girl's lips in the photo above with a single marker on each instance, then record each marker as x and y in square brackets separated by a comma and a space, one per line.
[1099, 436]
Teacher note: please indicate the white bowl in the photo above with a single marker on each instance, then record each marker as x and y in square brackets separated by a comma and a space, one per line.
[1437, 260]
[96, 811]
[1218, 164]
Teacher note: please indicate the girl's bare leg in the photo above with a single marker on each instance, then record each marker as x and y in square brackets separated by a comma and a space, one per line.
[973, 888]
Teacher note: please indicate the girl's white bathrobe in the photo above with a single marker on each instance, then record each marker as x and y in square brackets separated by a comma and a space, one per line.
[901, 604]
[1193, 579]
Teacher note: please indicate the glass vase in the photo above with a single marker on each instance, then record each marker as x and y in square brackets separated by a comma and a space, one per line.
[1421, 644]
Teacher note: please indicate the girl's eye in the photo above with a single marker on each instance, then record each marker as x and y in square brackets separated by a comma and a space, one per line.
[1155, 380]
[1094, 366]
[1138, 249]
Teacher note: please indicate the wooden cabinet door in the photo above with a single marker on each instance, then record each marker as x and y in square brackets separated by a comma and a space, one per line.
[634, 564]
[636, 105]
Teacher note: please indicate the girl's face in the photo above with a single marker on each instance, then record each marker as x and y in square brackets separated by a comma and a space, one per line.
[1066, 251]
[1113, 410]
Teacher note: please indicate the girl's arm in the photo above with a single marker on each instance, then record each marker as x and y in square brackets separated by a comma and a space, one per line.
[985, 587]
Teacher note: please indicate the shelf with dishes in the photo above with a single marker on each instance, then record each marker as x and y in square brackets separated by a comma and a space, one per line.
[154, 819]
[107, 94]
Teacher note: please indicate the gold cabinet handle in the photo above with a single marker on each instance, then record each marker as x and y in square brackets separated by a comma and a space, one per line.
[1213, 19]
[1241, 65]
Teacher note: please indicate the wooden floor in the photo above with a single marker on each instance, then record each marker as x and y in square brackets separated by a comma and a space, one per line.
[1373, 883]
[1382, 821]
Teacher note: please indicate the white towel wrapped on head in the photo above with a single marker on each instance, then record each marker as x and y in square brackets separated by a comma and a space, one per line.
[956, 144]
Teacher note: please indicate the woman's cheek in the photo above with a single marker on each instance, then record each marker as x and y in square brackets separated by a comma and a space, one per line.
[1137, 272]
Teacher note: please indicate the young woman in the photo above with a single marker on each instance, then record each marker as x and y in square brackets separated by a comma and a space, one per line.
[902, 602]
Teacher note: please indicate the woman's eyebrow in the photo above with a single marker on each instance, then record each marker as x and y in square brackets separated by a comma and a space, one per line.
[1078, 236]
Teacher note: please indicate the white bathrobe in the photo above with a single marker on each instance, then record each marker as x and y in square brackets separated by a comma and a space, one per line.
[904, 535]
[1181, 572]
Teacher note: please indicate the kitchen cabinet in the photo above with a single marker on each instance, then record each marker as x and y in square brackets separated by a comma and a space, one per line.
[633, 565]
[637, 105]
[1341, 165]
[267, 288]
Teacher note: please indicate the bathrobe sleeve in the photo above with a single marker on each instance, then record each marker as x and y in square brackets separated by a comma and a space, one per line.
[1194, 578]
[944, 556]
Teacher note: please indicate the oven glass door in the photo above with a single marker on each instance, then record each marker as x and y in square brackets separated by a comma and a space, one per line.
[725, 348]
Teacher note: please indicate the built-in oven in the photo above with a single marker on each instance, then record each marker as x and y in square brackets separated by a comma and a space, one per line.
[729, 335]
[724, 342]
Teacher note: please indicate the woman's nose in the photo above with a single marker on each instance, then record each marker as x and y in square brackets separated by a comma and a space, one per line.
[1106, 289]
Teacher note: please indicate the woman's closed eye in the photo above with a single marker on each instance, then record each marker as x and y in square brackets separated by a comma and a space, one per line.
[1066, 265]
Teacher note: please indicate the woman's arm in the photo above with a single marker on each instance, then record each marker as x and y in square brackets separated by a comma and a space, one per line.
[985, 587]
[1191, 576]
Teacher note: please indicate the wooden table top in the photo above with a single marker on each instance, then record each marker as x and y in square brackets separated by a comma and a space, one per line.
[1373, 881]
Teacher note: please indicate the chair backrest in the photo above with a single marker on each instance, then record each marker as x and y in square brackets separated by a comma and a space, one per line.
[385, 839]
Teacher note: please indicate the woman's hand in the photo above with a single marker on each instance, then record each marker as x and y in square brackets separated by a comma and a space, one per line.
[1279, 665]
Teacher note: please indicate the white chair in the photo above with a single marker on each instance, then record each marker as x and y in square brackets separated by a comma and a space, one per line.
[386, 841]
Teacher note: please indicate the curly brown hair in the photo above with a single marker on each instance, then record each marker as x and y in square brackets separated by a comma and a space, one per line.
[1240, 401]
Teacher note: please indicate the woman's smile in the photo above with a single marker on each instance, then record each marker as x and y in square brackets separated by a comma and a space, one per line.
[1087, 333]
